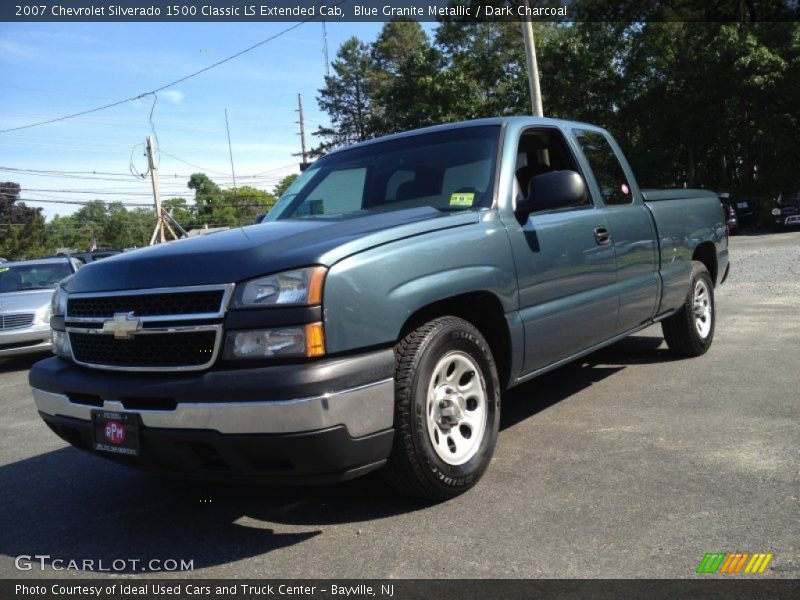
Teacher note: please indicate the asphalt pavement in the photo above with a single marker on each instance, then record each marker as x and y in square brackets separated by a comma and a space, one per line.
[629, 463]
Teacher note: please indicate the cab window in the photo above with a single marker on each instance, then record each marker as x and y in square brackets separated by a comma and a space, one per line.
[606, 168]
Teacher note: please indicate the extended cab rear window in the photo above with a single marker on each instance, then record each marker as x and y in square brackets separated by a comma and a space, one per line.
[607, 170]
[447, 170]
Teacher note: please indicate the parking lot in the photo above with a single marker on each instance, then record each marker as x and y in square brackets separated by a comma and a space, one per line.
[628, 463]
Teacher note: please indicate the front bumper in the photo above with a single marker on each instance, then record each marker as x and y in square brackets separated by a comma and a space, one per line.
[786, 220]
[320, 421]
[30, 340]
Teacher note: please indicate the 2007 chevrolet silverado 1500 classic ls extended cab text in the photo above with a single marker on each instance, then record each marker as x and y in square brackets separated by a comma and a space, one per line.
[374, 317]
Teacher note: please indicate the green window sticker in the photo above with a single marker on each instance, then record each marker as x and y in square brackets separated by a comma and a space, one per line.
[4, 269]
[462, 199]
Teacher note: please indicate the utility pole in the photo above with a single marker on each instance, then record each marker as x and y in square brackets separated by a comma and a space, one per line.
[158, 232]
[303, 153]
[533, 67]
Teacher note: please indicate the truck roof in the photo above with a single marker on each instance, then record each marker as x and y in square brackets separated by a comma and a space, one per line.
[519, 121]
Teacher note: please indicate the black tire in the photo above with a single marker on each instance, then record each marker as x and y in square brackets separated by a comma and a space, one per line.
[414, 468]
[681, 329]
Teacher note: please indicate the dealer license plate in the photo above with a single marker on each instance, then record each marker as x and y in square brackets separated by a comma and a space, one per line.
[116, 433]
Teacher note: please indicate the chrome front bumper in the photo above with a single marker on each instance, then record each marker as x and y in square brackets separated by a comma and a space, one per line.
[363, 410]
[30, 340]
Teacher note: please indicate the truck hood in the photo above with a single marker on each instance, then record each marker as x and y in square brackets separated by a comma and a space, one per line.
[247, 252]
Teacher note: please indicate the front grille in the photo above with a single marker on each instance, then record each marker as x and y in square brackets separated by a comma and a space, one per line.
[147, 305]
[16, 321]
[155, 350]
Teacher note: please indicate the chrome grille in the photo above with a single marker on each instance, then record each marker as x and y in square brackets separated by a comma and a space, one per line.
[16, 321]
[163, 329]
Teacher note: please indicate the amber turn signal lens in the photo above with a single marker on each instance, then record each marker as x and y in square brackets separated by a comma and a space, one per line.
[315, 340]
[315, 284]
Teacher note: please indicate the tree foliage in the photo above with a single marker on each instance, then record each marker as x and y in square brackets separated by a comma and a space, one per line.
[21, 227]
[710, 104]
[215, 207]
[346, 98]
[110, 225]
[24, 234]
[284, 184]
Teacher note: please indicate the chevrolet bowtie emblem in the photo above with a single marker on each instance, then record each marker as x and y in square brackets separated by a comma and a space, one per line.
[123, 326]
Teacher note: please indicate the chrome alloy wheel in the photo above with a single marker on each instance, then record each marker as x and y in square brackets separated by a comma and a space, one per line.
[456, 409]
[702, 309]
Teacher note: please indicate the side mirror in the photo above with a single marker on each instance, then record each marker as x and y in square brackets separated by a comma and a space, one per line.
[556, 189]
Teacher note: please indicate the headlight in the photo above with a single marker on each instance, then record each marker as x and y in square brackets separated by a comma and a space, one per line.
[303, 340]
[302, 287]
[58, 304]
[61, 345]
[776, 212]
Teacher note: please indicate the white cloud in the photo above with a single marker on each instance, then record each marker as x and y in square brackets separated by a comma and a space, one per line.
[173, 96]
[15, 52]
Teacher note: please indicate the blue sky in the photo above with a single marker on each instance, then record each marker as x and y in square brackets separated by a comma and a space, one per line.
[53, 69]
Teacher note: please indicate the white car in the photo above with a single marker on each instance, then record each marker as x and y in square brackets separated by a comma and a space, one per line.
[26, 288]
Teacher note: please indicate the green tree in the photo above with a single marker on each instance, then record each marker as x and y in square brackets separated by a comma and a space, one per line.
[60, 232]
[346, 98]
[181, 212]
[209, 202]
[284, 184]
[216, 207]
[21, 227]
[484, 68]
[405, 84]
[91, 221]
[247, 203]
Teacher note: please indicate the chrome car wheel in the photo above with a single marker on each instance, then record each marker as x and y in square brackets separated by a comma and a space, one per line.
[456, 409]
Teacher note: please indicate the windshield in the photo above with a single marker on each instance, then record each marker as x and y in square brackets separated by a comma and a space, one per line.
[446, 170]
[17, 278]
[789, 197]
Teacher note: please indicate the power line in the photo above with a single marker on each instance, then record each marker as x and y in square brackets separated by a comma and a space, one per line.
[101, 192]
[276, 169]
[90, 174]
[194, 206]
[186, 162]
[170, 84]
[62, 172]
[80, 177]
[76, 202]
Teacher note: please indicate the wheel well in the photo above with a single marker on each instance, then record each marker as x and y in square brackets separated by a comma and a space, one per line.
[706, 253]
[484, 311]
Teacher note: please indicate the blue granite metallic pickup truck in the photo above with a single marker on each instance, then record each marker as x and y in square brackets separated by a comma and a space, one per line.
[374, 318]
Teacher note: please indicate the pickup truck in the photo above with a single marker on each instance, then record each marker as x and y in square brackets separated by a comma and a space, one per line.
[377, 314]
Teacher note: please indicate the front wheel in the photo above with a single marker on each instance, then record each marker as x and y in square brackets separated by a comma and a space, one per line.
[690, 331]
[447, 410]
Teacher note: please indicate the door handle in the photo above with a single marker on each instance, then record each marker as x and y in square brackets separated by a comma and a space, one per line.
[602, 236]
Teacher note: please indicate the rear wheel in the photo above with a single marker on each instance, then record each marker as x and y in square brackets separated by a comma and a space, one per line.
[447, 410]
[690, 331]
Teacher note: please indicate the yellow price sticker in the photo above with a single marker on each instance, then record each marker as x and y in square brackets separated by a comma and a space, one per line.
[462, 199]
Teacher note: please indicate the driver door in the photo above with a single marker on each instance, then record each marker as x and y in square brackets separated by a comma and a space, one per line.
[566, 268]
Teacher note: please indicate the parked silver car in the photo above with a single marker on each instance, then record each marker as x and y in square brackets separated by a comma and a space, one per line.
[26, 288]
